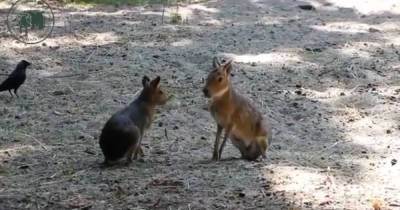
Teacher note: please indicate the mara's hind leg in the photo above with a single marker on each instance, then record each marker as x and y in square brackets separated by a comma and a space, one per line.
[107, 163]
[249, 152]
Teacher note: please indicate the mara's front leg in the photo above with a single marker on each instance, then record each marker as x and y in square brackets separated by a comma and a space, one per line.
[138, 150]
[131, 151]
[227, 134]
[216, 143]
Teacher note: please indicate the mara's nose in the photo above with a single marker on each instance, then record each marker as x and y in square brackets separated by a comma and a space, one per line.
[205, 91]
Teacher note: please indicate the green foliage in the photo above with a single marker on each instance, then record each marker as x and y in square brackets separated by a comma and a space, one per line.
[176, 18]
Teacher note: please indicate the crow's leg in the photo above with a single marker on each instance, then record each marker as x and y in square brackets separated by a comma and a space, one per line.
[15, 91]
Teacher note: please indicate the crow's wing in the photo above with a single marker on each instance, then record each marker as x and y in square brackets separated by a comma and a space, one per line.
[12, 82]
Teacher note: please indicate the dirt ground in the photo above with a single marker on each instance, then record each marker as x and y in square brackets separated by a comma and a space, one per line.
[327, 78]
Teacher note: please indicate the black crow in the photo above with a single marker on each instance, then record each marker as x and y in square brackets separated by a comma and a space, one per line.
[16, 78]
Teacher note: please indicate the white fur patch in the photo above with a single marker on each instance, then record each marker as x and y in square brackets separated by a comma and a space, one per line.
[221, 92]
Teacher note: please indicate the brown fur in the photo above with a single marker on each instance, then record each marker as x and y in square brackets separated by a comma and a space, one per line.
[122, 134]
[242, 122]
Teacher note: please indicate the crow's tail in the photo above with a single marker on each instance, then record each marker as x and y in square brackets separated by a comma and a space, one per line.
[3, 87]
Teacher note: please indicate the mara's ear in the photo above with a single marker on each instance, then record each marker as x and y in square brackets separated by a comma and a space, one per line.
[145, 81]
[156, 82]
[228, 67]
[216, 62]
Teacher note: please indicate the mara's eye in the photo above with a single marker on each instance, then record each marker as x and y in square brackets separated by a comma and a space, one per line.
[160, 92]
[220, 79]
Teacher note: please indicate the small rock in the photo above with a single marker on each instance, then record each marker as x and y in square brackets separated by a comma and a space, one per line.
[277, 147]
[306, 7]
[308, 203]
[342, 94]
[393, 162]
[388, 131]
[58, 93]
[24, 167]
[89, 151]
[54, 47]
[373, 30]
[57, 113]
[316, 49]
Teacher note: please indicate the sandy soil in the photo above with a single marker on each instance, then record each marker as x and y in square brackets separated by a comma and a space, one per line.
[327, 78]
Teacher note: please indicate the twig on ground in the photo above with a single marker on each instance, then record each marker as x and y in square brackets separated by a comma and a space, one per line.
[91, 54]
[262, 191]
[37, 141]
[166, 134]
[328, 148]
[157, 202]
